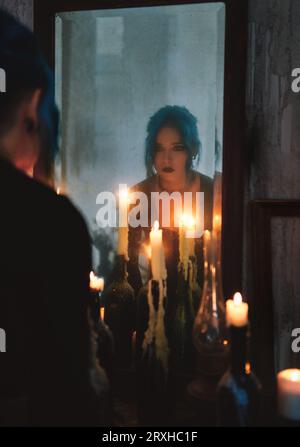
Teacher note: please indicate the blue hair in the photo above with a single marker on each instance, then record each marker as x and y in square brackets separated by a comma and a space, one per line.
[184, 122]
[26, 70]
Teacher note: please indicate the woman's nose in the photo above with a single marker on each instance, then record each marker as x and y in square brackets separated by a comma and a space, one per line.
[168, 156]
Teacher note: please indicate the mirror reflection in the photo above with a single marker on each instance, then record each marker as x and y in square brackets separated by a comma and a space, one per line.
[141, 95]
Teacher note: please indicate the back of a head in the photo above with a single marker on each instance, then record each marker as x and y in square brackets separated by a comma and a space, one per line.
[25, 71]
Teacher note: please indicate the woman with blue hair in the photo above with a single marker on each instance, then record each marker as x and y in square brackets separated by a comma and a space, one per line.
[29, 82]
[172, 151]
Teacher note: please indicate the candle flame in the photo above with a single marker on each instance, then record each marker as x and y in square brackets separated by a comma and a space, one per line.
[102, 313]
[187, 221]
[217, 221]
[291, 375]
[58, 191]
[156, 225]
[237, 298]
[123, 194]
[207, 234]
[96, 283]
[248, 368]
[295, 375]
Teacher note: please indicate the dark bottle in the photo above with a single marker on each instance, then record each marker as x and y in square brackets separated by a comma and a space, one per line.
[238, 393]
[183, 352]
[154, 397]
[119, 315]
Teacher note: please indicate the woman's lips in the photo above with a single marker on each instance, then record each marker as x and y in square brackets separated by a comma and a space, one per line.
[168, 169]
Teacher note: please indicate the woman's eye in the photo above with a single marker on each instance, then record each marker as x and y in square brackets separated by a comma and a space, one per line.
[179, 147]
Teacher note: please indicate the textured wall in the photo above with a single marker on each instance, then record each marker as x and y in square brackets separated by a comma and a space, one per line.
[286, 287]
[22, 9]
[273, 150]
[273, 109]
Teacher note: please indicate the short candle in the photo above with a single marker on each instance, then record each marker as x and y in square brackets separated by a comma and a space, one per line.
[237, 311]
[288, 393]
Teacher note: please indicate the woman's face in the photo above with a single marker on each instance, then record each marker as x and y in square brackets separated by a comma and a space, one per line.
[170, 155]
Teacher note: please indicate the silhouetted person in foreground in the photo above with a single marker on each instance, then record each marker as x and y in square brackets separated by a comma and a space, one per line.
[48, 374]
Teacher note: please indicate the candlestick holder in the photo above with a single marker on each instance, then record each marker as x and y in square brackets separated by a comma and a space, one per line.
[183, 353]
[152, 357]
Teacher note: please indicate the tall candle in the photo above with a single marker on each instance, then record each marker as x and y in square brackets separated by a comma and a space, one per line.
[288, 393]
[190, 234]
[206, 250]
[157, 253]
[236, 311]
[183, 243]
[214, 288]
[123, 221]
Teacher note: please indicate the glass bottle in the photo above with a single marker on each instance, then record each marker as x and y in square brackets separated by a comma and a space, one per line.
[119, 316]
[210, 333]
[238, 393]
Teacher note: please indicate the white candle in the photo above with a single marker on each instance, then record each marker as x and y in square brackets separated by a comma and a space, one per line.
[157, 253]
[236, 311]
[217, 223]
[288, 393]
[214, 289]
[190, 234]
[123, 221]
[184, 246]
[96, 284]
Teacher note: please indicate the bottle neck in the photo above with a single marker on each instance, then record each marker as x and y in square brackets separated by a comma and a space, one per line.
[238, 350]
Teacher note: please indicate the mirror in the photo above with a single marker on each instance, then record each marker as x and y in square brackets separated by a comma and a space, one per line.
[115, 69]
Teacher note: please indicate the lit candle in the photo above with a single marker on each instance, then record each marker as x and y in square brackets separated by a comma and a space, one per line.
[236, 311]
[214, 289]
[96, 284]
[123, 222]
[288, 392]
[206, 250]
[183, 243]
[190, 225]
[157, 253]
[102, 313]
[217, 223]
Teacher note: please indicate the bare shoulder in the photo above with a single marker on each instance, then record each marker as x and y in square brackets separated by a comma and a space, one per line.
[145, 186]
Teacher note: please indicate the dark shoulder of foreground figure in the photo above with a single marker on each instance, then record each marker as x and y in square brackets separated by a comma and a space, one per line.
[39, 204]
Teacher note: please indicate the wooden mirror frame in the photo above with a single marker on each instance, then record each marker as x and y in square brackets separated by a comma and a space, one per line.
[234, 110]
